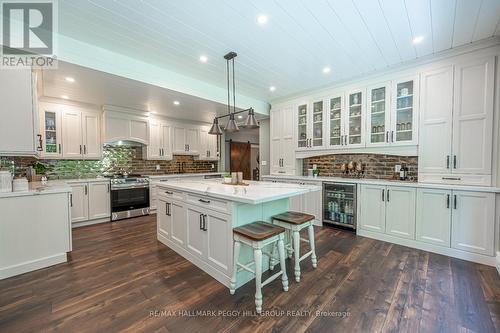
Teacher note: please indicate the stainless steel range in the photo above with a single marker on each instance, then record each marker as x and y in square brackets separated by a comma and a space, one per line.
[129, 196]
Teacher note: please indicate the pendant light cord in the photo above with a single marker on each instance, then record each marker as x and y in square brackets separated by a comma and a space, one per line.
[228, 89]
[234, 91]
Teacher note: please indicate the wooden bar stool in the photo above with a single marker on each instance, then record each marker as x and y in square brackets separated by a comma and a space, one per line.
[294, 222]
[257, 235]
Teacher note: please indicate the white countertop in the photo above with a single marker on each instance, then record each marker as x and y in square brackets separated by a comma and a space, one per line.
[38, 188]
[255, 193]
[181, 175]
[383, 182]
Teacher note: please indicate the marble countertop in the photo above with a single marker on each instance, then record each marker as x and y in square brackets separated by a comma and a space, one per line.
[385, 182]
[39, 188]
[181, 175]
[254, 193]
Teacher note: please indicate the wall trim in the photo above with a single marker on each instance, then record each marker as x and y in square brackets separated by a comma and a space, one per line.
[395, 151]
[32, 265]
[498, 262]
[91, 222]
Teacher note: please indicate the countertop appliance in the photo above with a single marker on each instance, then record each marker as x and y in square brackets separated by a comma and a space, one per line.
[129, 196]
[340, 205]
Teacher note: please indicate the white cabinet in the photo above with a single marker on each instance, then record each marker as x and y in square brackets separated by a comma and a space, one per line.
[160, 141]
[196, 236]
[219, 240]
[372, 208]
[457, 123]
[282, 141]
[336, 122]
[79, 202]
[99, 200]
[90, 201]
[69, 132]
[208, 145]
[311, 125]
[400, 211]
[164, 218]
[179, 222]
[404, 111]
[185, 140]
[378, 115]
[18, 128]
[121, 126]
[355, 119]
[473, 222]
[434, 216]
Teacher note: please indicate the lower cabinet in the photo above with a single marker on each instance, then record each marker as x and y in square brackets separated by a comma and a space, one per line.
[177, 210]
[434, 216]
[90, 201]
[372, 208]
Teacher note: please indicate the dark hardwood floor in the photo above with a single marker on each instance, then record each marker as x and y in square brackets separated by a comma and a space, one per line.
[120, 278]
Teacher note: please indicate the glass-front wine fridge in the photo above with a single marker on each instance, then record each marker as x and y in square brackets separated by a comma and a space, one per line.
[340, 205]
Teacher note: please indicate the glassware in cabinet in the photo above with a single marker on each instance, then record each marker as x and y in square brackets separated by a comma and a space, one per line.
[335, 121]
[50, 132]
[377, 115]
[404, 111]
[317, 124]
[302, 126]
[355, 118]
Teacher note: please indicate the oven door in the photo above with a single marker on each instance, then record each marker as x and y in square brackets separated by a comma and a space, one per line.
[124, 199]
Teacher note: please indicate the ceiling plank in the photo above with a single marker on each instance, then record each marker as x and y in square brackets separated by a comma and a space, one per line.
[443, 19]
[466, 16]
[419, 14]
[489, 16]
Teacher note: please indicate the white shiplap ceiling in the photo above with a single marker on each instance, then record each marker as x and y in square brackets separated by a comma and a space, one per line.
[352, 37]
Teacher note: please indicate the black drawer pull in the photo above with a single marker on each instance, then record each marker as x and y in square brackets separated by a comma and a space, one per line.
[204, 201]
[168, 192]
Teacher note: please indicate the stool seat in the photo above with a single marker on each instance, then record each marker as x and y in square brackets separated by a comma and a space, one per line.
[259, 230]
[294, 217]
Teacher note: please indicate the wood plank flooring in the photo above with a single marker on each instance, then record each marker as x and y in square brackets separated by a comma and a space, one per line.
[120, 278]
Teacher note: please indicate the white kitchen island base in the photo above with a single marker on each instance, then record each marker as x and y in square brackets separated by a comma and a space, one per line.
[196, 220]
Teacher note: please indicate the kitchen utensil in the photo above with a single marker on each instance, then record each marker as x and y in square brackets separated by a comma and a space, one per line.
[5, 181]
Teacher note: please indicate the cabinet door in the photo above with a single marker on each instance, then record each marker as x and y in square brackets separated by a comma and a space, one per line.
[219, 237]
[193, 140]
[18, 124]
[91, 129]
[434, 148]
[153, 196]
[378, 115]
[317, 127]
[79, 202]
[404, 111]
[213, 153]
[355, 124]
[434, 216]
[400, 211]
[287, 146]
[372, 208]
[203, 145]
[179, 139]
[155, 142]
[335, 122]
[164, 218]
[473, 222]
[312, 203]
[473, 116]
[139, 131]
[196, 236]
[276, 139]
[72, 134]
[166, 141]
[99, 200]
[302, 127]
[51, 134]
[179, 225]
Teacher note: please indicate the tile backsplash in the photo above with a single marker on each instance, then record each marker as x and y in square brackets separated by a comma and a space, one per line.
[376, 166]
[114, 160]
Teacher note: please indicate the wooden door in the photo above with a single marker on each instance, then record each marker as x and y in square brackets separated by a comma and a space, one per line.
[240, 158]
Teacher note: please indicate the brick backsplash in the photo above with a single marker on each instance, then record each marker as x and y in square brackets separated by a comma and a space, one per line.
[115, 159]
[376, 166]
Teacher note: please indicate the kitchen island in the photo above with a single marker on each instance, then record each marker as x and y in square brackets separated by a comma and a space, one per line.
[196, 219]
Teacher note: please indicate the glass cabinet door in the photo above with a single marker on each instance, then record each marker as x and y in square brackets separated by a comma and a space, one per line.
[317, 118]
[403, 122]
[378, 114]
[302, 126]
[335, 118]
[355, 124]
[51, 133]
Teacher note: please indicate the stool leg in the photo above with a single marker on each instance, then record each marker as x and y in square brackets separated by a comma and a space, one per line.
[281, 250]
[271, 259]
[257, 257]
[236, 253]
[310, 230]
[296, 252]
[289, 242]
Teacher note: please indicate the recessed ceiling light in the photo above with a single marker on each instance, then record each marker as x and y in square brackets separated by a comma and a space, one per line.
[64, 96]
[326, 70]
[272, 88]
[69, 79]
[203, 58]
[418, 39]
[176, 103]
[262, 19]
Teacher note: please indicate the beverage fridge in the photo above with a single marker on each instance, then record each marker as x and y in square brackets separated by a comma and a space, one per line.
[339, 205]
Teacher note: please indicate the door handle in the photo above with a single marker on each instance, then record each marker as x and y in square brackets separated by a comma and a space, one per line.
[447, 161]
[388, 195]
[188, 147]
[60, 149]
[108, 188]
[454, 161]
[345, 139]
[387, 136]
[201, 221]
[80, 149]
[40, 143]
[451, 178]
[85, 149]
[454, 201]
[205, 222]
[168, 192]
[71, 199]
[204, 201]
[86, 191]
[392, 136]
[383, 195]
[447, 201]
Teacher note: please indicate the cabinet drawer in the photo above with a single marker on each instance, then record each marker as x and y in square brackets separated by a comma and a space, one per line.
[171, 194]
[455, 179]
[210, 203]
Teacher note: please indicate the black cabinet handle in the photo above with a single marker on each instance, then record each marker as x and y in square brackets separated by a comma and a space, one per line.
[40, 143]
[205, 222]
[80, 149]
[201, 221]
[383, 195]
[392, 136]
[108, 188]
[387, 136]
[204, 201]
[84, 149]
[86, 191]
[60, 149]
[167, 209]
[454, 161]
[71, 199]
[454, 201]
[447, 161]
[447, 201]
[168, 192]
[388, 195]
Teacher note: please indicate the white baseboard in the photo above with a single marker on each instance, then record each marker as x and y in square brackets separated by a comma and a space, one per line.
[32, 265]
[498, 262]
[91, 222]
[474, 257]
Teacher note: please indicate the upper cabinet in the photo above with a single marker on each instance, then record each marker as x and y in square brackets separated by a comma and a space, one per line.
[378, 118]
[185, 139]
[19, 133]
[311, 125]
[335, 122]
[303, 137]
[355, 133]
[122, 126]
[160, 141]
[404, 110]
[282, 147]
[317, 124]
[208, 145]
[457, 123]
[69, 132]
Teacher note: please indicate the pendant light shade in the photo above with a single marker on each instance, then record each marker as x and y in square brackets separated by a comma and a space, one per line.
[251, 122]
[215, 129]
[231, 125]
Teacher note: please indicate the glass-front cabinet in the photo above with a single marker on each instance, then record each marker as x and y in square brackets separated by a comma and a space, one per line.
[335, 122]
[302, 120]
[310, 122]
[378, 115]
[404, 109]
[317, 127]
[355, 119]
[51, 136]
